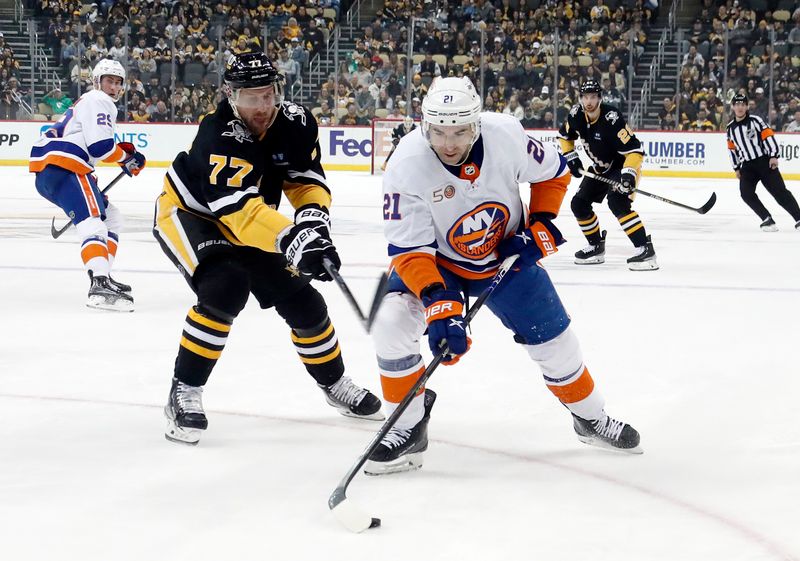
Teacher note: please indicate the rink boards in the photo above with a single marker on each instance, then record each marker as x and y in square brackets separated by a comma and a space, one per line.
[668, 154]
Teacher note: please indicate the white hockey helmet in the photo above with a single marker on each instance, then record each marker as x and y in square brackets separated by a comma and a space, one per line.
[107, 67]
[451, 102]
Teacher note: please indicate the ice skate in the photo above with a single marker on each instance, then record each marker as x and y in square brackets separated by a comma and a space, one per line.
[645, 258]
[592, 254]
[769, 225]
[797, 225]
[104, 296]
[401, 449]
[353, 401]
[607, 433]
[120, 286]
[184, 411]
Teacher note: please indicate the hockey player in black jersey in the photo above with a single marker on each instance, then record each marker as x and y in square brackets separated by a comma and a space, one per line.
[217, 222]
[399, 132]
[617, 154]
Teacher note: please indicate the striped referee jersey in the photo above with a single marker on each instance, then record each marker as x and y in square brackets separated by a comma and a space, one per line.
[749, 139]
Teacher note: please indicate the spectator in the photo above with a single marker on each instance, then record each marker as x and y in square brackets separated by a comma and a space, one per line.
[161, 113]
[288, 67]
[9, 105]
[141, 115]
[57, 101]
[326, 117]
[147, 63]
[514, 108]
[351, 118]
[314, 38]
[794, 125]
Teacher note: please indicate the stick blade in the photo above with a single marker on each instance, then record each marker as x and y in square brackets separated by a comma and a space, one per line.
[377, 299]
[352, 517]
[53, 230]
[706, 207]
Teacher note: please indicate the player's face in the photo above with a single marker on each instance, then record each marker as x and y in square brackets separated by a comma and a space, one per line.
[590, 102]
[256, 107]
[111, 85]
[451, 143]
[739, 109]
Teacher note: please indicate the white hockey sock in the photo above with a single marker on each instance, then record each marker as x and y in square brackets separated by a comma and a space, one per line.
[94, 253]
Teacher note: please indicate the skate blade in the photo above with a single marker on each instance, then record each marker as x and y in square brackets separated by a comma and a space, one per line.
[174, 433]
[181, 435]
[377, 416]
[769, 228]
[591, 261]
[591, 441]
[101, 304]
[409, 462]
[651, 265]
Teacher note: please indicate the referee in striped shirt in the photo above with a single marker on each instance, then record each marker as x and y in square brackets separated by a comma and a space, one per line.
[754, 153]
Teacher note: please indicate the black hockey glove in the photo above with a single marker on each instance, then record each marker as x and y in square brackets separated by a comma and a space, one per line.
[538, 240]
[304, 249]
[315, 217]
[574, 163]
[627, 181]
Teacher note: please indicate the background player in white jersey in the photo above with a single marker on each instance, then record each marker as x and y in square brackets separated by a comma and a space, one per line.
[64, 159]
[452, 211]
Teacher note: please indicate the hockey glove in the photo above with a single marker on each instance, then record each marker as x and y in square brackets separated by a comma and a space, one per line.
[444, 314]
[627, 181]
[315, 217]
[574, 163]
[304, 249]
[135, 160]
[538, 240]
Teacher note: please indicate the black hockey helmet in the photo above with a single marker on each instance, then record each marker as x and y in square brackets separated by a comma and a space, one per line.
[739, 98]
[591, 86]
[250, 70]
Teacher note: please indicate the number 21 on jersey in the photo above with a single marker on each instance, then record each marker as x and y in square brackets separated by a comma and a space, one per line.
[391, 206]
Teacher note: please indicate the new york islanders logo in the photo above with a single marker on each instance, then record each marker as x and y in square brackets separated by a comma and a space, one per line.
[475, 235]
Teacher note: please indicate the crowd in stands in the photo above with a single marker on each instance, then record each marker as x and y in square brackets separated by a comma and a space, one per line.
[707, 84]
[174, 51]
[11, 88]
[520, 48]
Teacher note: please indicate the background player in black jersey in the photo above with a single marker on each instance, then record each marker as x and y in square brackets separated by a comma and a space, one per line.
[216, 221]
[617, 154]
[399, 132]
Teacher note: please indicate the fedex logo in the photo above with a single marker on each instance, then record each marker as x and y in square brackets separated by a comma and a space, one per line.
[349, 146]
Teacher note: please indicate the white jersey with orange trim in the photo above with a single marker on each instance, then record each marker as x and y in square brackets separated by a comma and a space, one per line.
[460, 214]
[81, 137]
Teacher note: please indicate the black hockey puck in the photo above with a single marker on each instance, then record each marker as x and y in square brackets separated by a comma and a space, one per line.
[376, 523]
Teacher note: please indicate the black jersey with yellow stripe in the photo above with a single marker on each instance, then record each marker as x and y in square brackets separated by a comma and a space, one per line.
[609, 141]
[236, 179]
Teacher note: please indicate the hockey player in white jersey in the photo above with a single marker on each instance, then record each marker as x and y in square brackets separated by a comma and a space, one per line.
[63, 160]
[452, 212]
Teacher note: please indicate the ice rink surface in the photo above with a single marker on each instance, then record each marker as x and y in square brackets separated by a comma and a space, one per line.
[700, 356]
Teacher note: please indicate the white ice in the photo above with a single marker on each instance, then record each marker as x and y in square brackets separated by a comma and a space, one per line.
[700, 356]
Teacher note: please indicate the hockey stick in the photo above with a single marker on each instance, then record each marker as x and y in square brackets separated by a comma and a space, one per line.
[56, 232]
[700, 210]
[349, 515]
[366, 321]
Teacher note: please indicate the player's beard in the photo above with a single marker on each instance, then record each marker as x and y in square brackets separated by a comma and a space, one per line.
[259, 122]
